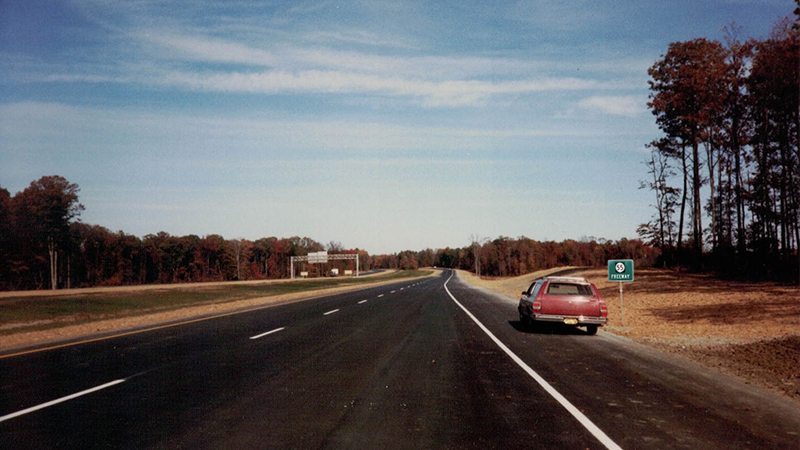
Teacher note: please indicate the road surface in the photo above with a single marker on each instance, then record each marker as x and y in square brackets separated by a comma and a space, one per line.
[427, 363]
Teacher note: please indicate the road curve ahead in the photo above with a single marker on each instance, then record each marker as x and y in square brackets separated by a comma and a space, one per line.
[428, 363]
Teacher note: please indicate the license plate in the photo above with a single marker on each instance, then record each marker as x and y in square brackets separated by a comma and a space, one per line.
[571, 321]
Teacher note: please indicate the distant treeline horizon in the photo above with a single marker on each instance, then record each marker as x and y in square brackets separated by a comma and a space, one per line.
[43, 245]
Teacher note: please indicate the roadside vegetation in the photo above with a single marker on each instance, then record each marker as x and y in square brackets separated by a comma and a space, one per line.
[26, 312]
[44, 246]
[726, 172]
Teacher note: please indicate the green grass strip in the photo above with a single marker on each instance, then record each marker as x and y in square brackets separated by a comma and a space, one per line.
[28, 313]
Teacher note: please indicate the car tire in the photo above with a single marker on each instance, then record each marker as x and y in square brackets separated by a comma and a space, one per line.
[591, 330]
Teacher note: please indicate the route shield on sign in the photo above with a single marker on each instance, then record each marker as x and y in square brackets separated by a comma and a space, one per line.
[620, 270]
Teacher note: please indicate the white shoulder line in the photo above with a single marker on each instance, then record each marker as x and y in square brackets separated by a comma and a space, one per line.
[268, 333]
[60, 400]
[588, 424]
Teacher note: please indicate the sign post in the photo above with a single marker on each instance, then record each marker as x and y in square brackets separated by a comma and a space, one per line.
[620, 270]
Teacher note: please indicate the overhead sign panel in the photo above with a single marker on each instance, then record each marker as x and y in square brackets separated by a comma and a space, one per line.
[318, 257]
[620, 270]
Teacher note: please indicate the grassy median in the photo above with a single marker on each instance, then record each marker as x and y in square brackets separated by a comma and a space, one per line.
[24, 313]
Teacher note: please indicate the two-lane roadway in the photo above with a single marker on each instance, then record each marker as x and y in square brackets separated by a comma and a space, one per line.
[426, 363]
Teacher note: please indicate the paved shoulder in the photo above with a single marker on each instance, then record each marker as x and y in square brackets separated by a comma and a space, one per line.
[640, 397]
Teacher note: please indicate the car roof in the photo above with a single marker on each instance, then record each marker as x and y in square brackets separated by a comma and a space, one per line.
[573, 280]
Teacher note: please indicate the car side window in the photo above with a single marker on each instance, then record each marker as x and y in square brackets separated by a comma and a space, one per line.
[535, 288]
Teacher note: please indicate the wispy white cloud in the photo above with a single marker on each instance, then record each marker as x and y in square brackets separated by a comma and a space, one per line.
[288, 56]
[616, 105]
[209, 49]
[193, 57]
[433, 93]
[359, 37]
[56, 129]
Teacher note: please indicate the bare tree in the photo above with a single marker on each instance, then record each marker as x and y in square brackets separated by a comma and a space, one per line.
[239, 247]
[477, 243]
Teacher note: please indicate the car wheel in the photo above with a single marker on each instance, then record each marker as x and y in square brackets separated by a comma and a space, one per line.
[523, 320]
[591, 329]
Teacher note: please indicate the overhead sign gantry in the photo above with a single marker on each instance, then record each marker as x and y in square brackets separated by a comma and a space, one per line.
[321, 258]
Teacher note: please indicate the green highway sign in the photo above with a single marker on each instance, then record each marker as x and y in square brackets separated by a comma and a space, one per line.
[620, 270]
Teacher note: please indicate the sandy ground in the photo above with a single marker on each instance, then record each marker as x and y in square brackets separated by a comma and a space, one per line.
[750, 330]
[54, 336]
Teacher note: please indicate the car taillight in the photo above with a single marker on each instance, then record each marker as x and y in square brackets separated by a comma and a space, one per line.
[537, 306]
[603, 309]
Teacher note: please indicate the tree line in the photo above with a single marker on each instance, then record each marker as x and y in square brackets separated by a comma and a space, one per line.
[726, 172]
[506, 257]
[43, 245]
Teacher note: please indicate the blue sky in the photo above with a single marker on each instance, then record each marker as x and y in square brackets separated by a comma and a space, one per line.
[385, 125]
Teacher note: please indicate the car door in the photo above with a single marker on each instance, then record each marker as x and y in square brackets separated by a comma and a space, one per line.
[531, 293]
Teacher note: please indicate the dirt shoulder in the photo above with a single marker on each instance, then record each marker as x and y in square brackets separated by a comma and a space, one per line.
[750, 330]
[10, 343]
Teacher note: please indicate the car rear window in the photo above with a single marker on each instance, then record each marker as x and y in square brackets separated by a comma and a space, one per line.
[569, 289]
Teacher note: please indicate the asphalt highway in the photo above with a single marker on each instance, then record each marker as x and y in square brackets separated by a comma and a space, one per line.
[426, 363]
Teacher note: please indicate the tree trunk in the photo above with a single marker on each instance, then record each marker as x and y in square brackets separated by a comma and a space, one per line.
[783, 190]
[697, 219]
[712, 185]
[658, 179]
[683, 203]
[53, 251]
[741, 243]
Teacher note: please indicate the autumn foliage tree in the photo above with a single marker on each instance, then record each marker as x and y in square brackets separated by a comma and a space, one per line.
[42, 245]
[740, 103]
[41, 216]
[506, 257]
[687, 86]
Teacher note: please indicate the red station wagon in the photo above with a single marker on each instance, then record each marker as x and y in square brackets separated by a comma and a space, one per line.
[567, 300]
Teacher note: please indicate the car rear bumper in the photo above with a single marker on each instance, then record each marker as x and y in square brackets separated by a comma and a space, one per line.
[582, 320]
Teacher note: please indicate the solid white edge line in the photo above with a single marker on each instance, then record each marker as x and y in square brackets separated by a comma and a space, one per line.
[588, 424]
[331, 312]
[267, 333]
[60, 400]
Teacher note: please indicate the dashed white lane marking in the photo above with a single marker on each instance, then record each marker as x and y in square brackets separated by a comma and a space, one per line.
[60, 400]
[331, 312]
[362, 302]
[392, 292]
[588, 424]
[267, 333]
[380, 296]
